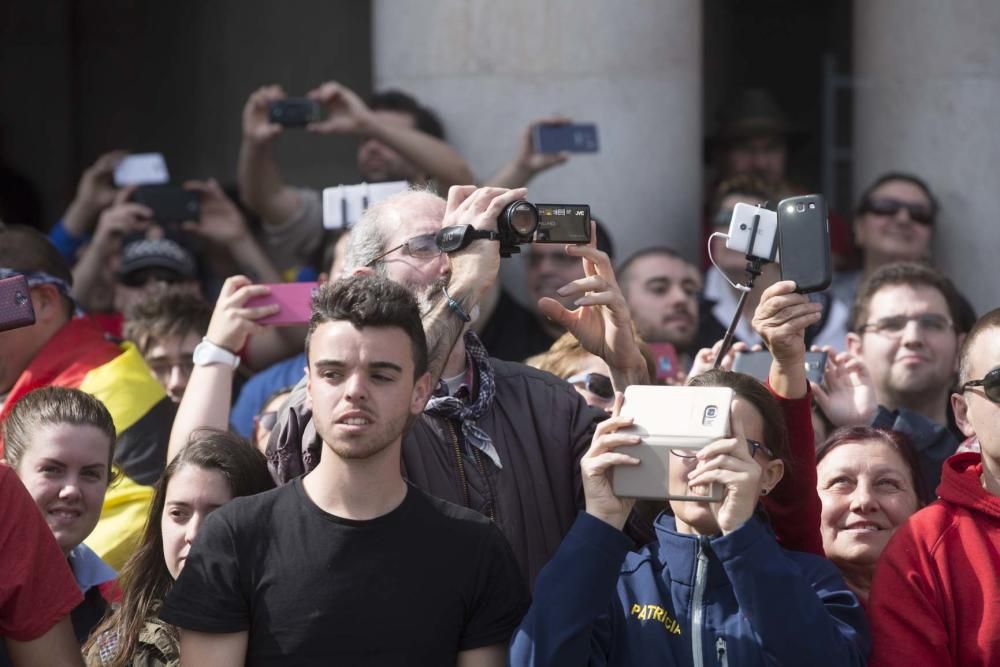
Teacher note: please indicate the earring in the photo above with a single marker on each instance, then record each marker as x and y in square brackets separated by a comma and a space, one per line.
[764, 492]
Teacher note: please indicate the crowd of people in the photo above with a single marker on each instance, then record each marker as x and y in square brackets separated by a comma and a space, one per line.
[422, 473]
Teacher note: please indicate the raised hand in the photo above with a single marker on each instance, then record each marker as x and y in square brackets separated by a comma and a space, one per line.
[728, 462]
[847, 395]
[346, 112]
[232, 321]
[221, 221]
[257, 127]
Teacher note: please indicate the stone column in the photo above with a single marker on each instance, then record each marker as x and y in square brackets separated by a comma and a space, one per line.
[926, 99]
[488, 68]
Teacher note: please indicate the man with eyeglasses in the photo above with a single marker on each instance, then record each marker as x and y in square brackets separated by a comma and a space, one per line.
[907, 325]
[934, 597]
[497, 436]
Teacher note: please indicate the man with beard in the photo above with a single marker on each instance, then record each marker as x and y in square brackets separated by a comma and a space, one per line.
[351, 563]
[907, 325]
[662, 290]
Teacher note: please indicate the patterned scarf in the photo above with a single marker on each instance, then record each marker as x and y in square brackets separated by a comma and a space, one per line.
[454, 408]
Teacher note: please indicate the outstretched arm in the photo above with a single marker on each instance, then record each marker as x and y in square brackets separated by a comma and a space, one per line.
[261, 186]
[348, 114]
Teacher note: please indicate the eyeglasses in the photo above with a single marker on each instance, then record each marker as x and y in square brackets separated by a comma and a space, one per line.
[990, 384]
[265, 420]
[893, 326]
[597, 384]
[888, 206]
[753, 445]
[143, 277]
[422, 247]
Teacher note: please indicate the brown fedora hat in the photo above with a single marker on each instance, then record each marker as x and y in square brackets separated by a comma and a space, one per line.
[752, 112]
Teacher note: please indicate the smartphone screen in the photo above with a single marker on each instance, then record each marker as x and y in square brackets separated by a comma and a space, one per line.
[574, 138]
[758, 364]
[804, 239]
[294, 300]
[141, 169]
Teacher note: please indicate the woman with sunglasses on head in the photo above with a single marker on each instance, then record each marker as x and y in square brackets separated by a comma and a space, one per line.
[894, 222]
[714, 587]
[60, 443]
[212, 469]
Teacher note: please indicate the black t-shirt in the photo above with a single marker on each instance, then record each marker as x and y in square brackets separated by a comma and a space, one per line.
[514, 333]
[412, 587]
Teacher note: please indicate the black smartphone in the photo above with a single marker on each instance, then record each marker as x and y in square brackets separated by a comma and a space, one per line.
[16, 309]
[171, 204]
[758, 364]
[804, 243]
[293, 111]
[563, 223]
[571, 137]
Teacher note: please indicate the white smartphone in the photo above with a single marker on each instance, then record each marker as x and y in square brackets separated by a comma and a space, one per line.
[673, 424]
[765, 244]
[344, 204]
[141, 169]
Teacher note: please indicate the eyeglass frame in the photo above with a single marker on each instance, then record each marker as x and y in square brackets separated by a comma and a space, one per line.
[586, 379]
[753, 445]
[878, 325]
[435, 250]
[983, 382]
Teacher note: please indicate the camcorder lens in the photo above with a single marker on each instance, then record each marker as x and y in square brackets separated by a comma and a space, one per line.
[522, 218]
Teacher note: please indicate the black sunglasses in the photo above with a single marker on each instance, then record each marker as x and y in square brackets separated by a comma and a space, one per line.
[888, 206]
[597, 384]
[142, 277]
[990, 384]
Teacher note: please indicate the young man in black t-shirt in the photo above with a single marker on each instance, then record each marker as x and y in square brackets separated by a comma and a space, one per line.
[350, 564]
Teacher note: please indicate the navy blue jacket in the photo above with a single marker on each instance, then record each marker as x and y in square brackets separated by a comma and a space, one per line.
[737, 599]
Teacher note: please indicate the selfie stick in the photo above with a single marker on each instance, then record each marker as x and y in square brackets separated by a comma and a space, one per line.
[754, 265]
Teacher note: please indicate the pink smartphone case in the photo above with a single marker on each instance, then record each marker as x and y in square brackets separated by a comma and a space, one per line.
[295, 300]
[16, 309]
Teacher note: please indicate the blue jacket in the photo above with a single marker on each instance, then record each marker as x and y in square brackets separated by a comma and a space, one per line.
[737, 599]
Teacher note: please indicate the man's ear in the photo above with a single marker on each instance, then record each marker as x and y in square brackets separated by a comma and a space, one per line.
[421, 393]
[854, 344]
[49, 304]
[961, 409]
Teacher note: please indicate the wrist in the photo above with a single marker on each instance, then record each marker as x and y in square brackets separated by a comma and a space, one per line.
[78, 218]
[210, 353]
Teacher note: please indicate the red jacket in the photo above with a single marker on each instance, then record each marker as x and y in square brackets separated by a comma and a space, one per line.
[936, 595]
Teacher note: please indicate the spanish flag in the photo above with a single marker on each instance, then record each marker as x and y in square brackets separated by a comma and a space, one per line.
[81, 356]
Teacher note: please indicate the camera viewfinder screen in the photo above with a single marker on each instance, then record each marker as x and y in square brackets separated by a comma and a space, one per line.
[563, 223]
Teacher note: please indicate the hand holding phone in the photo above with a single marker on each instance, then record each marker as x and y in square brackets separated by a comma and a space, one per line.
[293, 111]
[672, 424]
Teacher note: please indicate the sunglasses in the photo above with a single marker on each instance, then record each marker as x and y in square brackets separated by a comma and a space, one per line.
[893, 326]
[990, 384]
[421, 247]
[888, 206]
[752, 444]
[596, 383]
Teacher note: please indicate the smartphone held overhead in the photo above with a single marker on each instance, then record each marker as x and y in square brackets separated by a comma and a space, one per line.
[293, 111]
[141, 169]
[293, 299]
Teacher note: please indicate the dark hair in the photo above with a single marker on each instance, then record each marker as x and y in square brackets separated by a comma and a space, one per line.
[55, 405]
[173, 314]
[371, 301]
[754, 392]
[27, 250]
[990, 320]
[424, 119]
[145, 579]
[894, 439]
[603, 239]
[912, 274]
[897, 176]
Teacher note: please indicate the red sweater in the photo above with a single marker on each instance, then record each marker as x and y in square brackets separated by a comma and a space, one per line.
[935, 599]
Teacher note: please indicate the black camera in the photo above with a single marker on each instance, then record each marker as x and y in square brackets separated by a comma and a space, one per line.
[523, 222]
